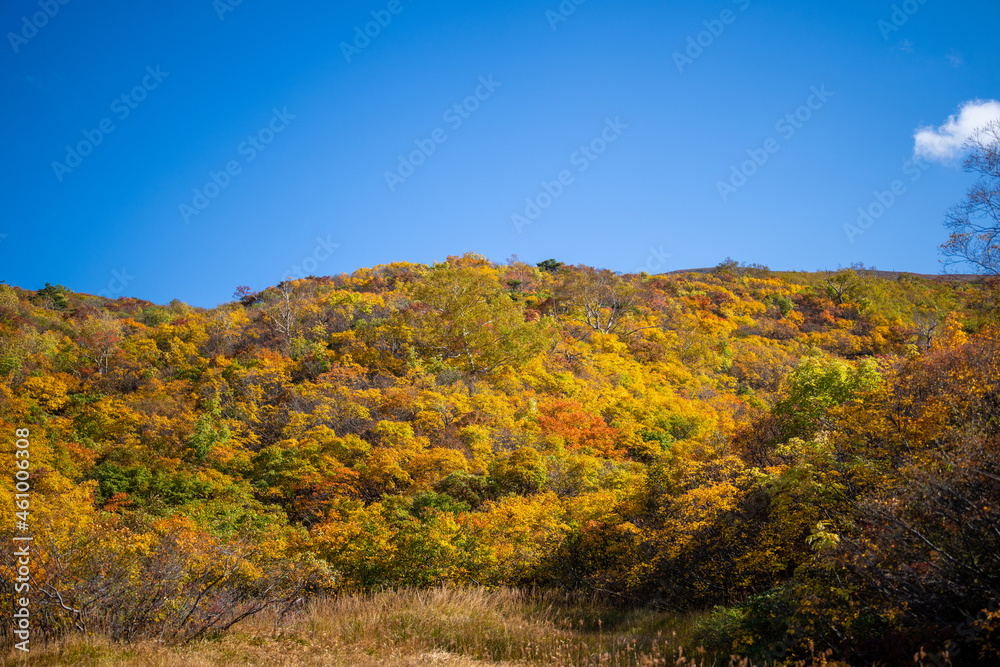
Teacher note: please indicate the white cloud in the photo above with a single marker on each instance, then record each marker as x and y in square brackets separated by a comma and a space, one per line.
[945, 142]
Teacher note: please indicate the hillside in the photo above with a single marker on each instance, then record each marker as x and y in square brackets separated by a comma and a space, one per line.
[798, 457]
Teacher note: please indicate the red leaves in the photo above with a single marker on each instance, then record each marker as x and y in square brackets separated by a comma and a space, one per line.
[578, 429]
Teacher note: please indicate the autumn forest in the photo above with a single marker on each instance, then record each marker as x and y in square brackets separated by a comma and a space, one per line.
[803, 461]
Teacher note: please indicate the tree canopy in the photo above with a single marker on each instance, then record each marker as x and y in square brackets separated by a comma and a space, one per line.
[813, 454]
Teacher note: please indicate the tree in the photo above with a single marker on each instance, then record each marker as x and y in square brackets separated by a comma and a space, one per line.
[99, 339]
[245, 295]
[975, 223]
[52, 296]
[465, 315]
[841, 284]
[601, 299]
[818, 384]
[282, 310]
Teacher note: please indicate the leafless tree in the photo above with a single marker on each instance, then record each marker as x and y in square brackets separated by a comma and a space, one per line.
[975, 223]
[603, 300]
[926, 323]
[282, 309]
[176, 592]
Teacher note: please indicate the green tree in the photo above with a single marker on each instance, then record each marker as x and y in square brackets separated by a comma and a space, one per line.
[815, 386]
[52, 296]
[468, 318]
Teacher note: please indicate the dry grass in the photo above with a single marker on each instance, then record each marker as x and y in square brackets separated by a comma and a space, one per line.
[466, 627]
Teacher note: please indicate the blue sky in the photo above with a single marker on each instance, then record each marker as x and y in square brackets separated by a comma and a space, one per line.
[587, 113]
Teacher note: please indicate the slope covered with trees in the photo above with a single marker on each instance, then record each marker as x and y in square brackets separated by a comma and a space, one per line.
[813, 456]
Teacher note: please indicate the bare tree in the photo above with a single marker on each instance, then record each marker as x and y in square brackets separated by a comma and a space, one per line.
[926, 322]
[603, 300]
[282, 309]
[975, 223]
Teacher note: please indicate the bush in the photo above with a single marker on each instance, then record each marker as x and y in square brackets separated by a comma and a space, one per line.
[756, 627]
[468, 489]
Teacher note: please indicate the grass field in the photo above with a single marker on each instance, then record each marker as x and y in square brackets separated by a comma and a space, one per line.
[443, 626]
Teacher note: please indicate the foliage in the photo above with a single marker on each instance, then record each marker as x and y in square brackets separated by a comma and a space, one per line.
[808, 455]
